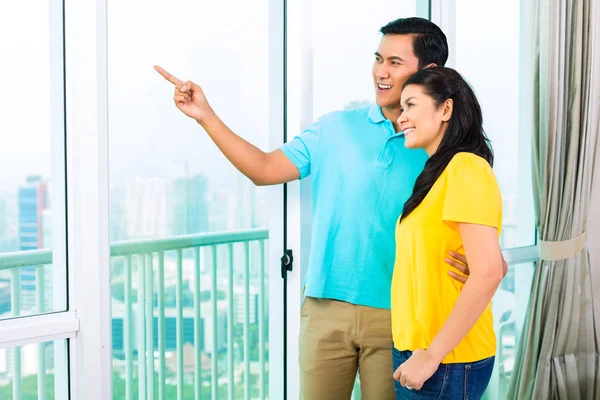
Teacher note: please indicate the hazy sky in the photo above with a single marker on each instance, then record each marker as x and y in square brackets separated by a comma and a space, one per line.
[224, 47]
[24, 91]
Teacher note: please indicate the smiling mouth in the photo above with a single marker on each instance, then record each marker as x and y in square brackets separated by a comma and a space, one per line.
[381, 86]
[408, 130]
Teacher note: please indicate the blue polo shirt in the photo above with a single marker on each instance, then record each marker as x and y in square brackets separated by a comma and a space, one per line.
[361, 176]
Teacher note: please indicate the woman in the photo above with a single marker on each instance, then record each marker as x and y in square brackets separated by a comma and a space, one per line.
[444, 341]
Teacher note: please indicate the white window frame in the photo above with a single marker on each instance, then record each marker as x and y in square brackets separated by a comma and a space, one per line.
[38, 329]
[86, 323]
[88, 177]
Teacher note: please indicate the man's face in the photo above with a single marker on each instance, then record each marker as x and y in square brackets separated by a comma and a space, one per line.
[394, 63]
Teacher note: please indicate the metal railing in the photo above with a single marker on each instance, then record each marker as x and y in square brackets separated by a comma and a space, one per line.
[146, 252]
[144, 270]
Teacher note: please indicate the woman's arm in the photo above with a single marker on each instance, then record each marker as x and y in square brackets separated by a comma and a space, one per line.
[486, 267]
[459, 262]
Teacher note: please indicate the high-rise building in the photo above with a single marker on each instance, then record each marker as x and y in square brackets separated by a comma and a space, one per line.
[218, 211]
[244, 205]
[46, 227]
[188, 206]
[157, 207]
[117, 216]
[3, 219]
[206, 327]
[5, 246]
[32, 200]
[240, 305]
[9, 240]
[46, 223]
[145, 208]
[34, 229]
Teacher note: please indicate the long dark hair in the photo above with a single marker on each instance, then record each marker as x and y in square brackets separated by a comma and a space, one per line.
[463, 134]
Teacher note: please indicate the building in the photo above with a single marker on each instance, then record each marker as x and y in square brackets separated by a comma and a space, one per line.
[145, 208]
[158, 207]
[206, 330]
[240, 305]
[3, 219]
[32, 201]
[187, 206]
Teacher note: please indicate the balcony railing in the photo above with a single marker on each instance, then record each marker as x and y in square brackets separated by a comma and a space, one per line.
[146, 259]
[225, 261]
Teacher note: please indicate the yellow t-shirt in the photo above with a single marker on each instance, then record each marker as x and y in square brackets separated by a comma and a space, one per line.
[423, 294]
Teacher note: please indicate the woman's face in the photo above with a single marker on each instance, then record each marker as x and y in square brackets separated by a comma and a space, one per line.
[422, 122]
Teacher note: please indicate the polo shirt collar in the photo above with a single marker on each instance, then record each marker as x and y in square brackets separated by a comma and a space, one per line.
[375, 114]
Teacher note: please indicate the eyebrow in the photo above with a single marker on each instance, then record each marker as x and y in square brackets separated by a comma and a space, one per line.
[410, 98]
[391, 57]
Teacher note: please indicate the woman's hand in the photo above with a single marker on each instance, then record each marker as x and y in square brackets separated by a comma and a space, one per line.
[415, 371]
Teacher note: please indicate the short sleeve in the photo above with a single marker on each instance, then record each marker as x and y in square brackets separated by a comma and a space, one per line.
[303, 147]
[472, 192]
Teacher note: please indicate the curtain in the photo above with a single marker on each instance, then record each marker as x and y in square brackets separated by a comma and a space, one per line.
[557, 356]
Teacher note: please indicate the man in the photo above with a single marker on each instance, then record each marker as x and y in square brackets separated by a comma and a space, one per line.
[362, 175]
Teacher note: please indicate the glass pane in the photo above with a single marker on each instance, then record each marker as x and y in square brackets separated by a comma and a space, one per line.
[32, 203]
[508, 323]
[487, 53]
[189, 237]
[363, 37]
[423, 9]
[34, 372]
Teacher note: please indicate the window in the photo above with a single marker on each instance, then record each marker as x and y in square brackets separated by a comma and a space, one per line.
[35, 371]
[188, 232]
[32, 159]
[343, 47]
[497, 54]
[34, 326]
[493, 49]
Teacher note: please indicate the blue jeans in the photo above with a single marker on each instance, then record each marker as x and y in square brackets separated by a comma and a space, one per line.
[466, 381]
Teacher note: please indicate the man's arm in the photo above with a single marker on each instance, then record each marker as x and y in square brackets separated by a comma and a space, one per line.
[260, 167]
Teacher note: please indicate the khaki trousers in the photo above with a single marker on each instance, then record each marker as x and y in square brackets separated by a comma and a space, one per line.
[337, 339]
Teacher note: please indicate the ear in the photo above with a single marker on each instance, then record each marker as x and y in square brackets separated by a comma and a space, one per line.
[430, 65]
[447, 108]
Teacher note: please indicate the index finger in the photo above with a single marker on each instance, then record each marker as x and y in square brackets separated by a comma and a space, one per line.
[166, 75]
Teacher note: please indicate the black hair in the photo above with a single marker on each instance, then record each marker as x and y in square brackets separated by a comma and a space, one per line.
[464, 132]
[429, 42]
